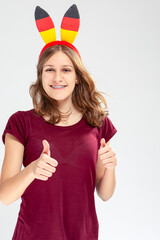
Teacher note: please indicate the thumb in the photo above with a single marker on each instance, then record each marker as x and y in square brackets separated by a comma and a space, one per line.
[46, 147]
[103, 143]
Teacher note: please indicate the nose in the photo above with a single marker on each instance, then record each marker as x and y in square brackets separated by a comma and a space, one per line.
[57, 76]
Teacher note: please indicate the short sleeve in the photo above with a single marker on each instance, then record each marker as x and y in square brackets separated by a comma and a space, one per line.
[16, 127]
[107, 129]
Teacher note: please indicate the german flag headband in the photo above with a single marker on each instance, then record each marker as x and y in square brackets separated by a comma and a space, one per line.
[69, 28]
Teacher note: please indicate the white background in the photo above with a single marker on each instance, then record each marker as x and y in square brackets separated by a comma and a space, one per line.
[119, 41]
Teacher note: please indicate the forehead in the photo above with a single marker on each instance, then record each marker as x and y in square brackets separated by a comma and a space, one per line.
[59, 58]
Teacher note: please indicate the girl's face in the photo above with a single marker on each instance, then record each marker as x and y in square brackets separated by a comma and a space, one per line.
[59, 77]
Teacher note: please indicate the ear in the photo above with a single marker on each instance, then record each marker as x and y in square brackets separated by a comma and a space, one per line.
[70, 24]
[45, 25]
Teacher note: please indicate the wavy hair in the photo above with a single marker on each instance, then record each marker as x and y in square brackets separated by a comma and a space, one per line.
[85, 97]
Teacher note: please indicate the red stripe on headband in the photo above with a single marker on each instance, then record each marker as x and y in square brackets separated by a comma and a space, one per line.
[59, 43]
[71, 24]
[44, 24]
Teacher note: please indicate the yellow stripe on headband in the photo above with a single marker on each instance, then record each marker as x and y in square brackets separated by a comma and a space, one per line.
[48, 35]
[68, 36]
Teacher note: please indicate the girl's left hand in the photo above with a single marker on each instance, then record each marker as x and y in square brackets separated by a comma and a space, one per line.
[107, 155]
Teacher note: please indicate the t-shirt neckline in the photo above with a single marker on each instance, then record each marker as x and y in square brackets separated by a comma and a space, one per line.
[62, 127]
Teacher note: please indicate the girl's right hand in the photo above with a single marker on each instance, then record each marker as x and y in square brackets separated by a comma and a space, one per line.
[44, 166]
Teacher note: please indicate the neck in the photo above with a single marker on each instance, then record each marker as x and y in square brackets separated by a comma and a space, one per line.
[65, 107]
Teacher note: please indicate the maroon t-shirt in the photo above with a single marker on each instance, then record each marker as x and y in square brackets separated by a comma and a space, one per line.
[63, 207]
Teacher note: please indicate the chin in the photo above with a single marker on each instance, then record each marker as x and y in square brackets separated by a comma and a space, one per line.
[60, 99]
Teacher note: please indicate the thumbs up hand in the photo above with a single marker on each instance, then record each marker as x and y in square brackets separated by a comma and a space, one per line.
[44, 166]
[107, 155]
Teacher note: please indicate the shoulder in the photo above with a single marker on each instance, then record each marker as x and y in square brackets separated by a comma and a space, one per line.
[25, 112]
[20, 117]
[18, 125]
[105, 122]
[21, 113]
[107, 130]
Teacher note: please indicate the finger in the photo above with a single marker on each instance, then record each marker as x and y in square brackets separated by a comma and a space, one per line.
[106, 161]
[107, 155]
[41, 177]
[102, 143]
[104, 150]
[45, 173]
[110, 161]
[46, 147]
[51, 161]
[47, 166]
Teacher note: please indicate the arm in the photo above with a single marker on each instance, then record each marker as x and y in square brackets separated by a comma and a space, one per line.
[105, 173]
[13, 181]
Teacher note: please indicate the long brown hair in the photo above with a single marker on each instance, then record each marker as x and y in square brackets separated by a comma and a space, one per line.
[85, 97]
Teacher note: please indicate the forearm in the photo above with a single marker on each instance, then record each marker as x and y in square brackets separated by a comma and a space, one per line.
[107, 184]
[14, 187]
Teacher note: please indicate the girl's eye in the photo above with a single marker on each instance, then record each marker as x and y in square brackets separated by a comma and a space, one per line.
[66, 70]
[49, 69]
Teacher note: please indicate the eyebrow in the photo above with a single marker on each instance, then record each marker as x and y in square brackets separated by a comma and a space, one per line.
[49, 65]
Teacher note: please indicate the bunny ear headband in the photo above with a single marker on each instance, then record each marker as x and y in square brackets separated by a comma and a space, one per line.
[69, 28]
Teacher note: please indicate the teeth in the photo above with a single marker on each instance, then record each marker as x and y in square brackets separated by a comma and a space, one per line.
[58, 86]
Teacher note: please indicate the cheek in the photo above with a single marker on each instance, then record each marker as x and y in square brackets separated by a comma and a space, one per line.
[44, 75]
[45, 78]
[73, 83]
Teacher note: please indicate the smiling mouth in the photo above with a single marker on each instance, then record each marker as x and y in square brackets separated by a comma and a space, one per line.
[57, 87]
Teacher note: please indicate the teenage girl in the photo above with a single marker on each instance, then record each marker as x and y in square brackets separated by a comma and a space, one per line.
[63, 144]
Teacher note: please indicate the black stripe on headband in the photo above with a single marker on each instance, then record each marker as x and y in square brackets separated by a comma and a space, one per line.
[72, 12]
[40, 13]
